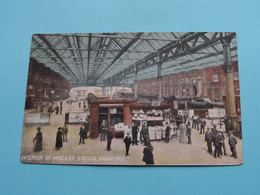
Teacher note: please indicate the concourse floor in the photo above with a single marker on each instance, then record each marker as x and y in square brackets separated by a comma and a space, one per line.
[94, 151]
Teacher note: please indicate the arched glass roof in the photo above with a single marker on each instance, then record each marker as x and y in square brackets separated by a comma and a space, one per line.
[95, 58]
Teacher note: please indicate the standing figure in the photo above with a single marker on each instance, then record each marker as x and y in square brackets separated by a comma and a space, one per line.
[178, 121]
[188, 132]
[217, 137]
[194, 124]
[57, 110]
[193, 121]
[79, 104]
[148, 154]
[228, 124]
[103, 129]
[167, 133]
[38, 139]
[208, 139]
[127, 141]
[183, 131]
[222, 144]
[202, 126]
[59, 139]
[198, 121]
[145, 133]
[84, 106]
[232, 141]
[61, 108]
[109, 139]
[135, 131]
[81, 134]
[65, 133]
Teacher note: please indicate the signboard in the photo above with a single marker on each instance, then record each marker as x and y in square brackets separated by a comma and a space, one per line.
[113, 111]
[77, 117]
[156, 102]
[216, 113]
[37, 118]
[175, 104]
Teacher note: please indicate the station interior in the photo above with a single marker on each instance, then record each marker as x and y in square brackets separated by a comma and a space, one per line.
[126, 79]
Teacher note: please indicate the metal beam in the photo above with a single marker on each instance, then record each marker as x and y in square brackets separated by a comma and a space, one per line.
[89, 50]
[179, 53]
[122, 52]
[81, 49]
[46, 42]
[105, 58]
[107, 35]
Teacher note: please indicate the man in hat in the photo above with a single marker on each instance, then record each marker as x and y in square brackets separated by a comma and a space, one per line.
[145, 133]
[109, 139]
[217, 141]
[57, 110]
[222, 144]
[232, 141]
[135, 131]
[65, 133]
[202, 126]
[81, 134]
[38, 139]
[167, 133]
[103, 129]
[188, 126]
[208, 139]
[127, 141]
[59, 139]
[60, 107]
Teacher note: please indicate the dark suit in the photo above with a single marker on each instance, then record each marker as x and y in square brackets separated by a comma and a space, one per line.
[189, 134]
[109, 140]
[217, 140]
[202, 126]
[82, 134]
[135, 131]
[145, 133]
[167, 134]
[103, 129]
[208, 139]
[127, 141]
[232, 143]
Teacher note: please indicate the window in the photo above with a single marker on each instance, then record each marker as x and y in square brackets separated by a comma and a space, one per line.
[199, 80]
[215, 78]
[194, 80]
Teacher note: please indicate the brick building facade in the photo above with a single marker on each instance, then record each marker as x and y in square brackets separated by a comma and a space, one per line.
[207, 82]
[44, 85]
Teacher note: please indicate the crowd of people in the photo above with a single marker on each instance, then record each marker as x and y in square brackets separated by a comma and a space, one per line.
[184, 127]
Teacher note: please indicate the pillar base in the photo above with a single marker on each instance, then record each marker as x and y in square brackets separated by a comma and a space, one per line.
[234, 121]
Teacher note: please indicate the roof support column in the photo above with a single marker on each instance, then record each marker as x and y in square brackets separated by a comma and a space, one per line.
[111, 87]
[229, 83]
[123, 81]
[136, 84]
[159, 78]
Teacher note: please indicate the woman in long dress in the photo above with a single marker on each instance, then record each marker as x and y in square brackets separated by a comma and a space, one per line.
[59, 139]
[38, 139]
[183, 129]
